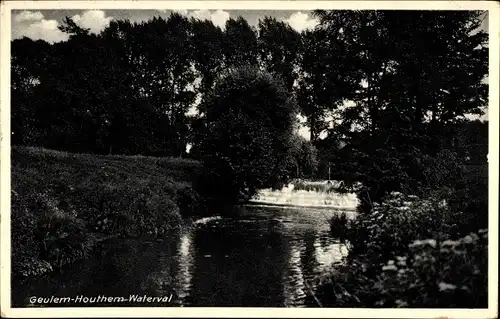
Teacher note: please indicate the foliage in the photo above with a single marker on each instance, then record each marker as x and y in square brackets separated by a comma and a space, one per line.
[338, 225]
[305, 156]
[403, 112]
[62, 202]
[240, 43]
[249, 129]
[43, 236]
[208, 41]
[451, 273]
[279, 49]
[415, 218]
[410, 252]
[127, 94]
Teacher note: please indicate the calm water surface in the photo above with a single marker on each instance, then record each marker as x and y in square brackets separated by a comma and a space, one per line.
[270, 257]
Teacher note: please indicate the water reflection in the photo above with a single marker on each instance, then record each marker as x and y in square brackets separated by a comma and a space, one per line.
[294, 279]
[263, 257]
[184, 256]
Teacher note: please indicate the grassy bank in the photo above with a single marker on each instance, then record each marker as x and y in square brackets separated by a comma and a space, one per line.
[62, 203]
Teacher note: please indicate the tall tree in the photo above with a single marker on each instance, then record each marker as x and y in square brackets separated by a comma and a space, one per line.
[240, 43]
[208, 51]
[412, 69]
[29, 60]
[279, 46]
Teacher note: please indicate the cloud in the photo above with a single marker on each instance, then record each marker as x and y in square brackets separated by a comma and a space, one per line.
[28, 16]
[302, 21]
[38, 30]
[218, 17]
[95, 20]
[183, 12]
[33, 25]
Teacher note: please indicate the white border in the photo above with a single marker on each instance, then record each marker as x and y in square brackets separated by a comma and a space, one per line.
[494, 80]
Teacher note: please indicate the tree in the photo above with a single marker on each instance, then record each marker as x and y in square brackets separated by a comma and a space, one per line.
[29, 60]
[208, 51]
[249, 134]
[419, 73]
[166, 74]
[279, 46]
[240, 43]
[305, 155]
[327, 77]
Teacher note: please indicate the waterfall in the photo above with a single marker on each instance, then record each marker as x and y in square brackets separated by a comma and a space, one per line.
[308, 194]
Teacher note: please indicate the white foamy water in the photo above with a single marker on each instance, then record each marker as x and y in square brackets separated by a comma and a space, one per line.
[288, 196]
[206, 220]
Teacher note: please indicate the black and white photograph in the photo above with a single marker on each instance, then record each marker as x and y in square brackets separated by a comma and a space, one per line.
[277, 157]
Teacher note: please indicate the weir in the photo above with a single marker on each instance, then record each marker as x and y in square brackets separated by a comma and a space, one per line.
[316, 194]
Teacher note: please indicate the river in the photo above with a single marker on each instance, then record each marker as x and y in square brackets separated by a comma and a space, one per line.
[260, 257]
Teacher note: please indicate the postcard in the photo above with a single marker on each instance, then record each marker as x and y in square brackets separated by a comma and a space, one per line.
[249, 159]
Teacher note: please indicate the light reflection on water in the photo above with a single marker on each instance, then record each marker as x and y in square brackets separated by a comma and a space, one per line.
[261, 257]
[185, 261]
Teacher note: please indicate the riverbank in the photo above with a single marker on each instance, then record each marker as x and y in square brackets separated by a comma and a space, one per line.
[64, 203]
[411, 252]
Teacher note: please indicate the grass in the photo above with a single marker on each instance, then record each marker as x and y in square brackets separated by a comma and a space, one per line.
[62, 202]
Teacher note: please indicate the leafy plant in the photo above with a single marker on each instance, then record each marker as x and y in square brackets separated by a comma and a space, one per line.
[248, 138]
[410, 252]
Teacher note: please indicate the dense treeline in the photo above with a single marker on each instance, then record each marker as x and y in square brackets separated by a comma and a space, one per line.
[419, 73]
[390, 90]
[128, 89]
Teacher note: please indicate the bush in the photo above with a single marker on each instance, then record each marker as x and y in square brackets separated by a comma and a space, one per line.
[401, 219]
[132, 209]
[410, 252]
[338, 225]
[451, 273]
[248, 140]
[43, 236]
[61, 236]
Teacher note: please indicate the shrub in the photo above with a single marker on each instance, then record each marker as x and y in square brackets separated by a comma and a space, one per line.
[410, 252]
[62, 237]
[43, 236]
[451, 274]
[25, 249]
[338, 225]
[132, 209]
[401, 219]
[248, 139]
